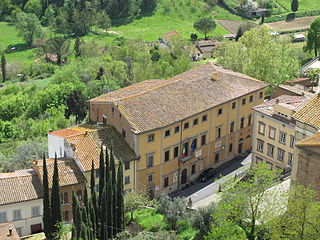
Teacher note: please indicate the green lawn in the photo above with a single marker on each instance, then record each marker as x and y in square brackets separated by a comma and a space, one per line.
[304, 5]
[148, 219]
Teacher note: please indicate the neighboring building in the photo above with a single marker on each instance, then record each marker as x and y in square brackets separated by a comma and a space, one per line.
[313, 64]
[273, 136]
[182, 125]
[8, 231]
[83, 144]
[206, 48]
[71, 180]
[20, 202]
[292, 89]
[307, 167]
[259, 12]
[298, 38]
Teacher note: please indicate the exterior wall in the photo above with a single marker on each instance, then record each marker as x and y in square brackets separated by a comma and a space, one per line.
[279, 126]
[24, 224]
[214, 152]
[100, 111]
[55, 146]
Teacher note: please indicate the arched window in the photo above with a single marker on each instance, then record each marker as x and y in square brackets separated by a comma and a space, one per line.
[79, 194]
[65, 197]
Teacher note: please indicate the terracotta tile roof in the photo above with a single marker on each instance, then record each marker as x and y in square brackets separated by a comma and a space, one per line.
[19, 186]
[64, 133]
[313, 141]
[297, 89]
[4, 231]
[310, 112]
[87, 147]
[184, 95]
[69, 172]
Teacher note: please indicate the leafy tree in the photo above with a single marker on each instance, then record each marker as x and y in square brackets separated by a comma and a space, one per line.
[55, 198]
[135, 200]
[48, 18]
[161, 235]
[33, 6]
[47, 225]
[173, 209]
[204, 25]
[243, 28]
[259, 52]
[193, 37]
[103, 20]
[201, 220]
[77, 47]
[313, 42]
[3, 67]
[147, 6]
[58, 46]
[76, 105]
[294, 5]
[29, 27]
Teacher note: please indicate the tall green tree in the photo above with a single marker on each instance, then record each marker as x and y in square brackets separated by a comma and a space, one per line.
[313, 42]
[103, 216]
[29, 27]
[101, 175]
[94, 213]
[76, 212]
[114, 189]
[55, 198]
[58, 46]
[3, 67]
[294, 5]
[77, 44]
[94, 221]
[205, 25]
[119, 199]
[76, 105]
[47, 223]
[109, 208]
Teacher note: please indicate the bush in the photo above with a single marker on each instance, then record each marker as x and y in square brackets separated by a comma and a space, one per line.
[201, 219]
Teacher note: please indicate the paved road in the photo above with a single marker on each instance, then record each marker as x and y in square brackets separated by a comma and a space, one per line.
[200, 191]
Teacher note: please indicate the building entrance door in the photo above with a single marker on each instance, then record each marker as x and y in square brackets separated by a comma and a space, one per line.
[184, 176]
[240, 148]
[36, 228]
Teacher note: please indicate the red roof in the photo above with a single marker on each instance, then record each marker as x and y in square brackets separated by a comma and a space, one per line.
[65, 133]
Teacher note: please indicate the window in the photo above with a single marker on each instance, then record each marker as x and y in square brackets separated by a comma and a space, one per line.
[218, 132]
[193, 169]
[113, 109]
[176, 129]
[242, 122]
[120, 115]
[66, 215]
[292, 141]
[16, 214]
[249, 120]
[270, 165]
[260, 146]
[203, 140]
[65, 197]
[290, 159]
[204, 118]
[151, 137]
[166, 182]
[195, 121]
[258, 160]
[97, 172]
[19, 230]
[216, 158]
[176, 152]
[272, 133]
[123, 133]
[126, 165]
[185, 148]
[244, 101]
[127, 180]
[260, 94]
[167, 156]
[79, 194]
[270, 151]
[186, 125]
[194, 145]
[219, 111]
[35, 211]
[251, 98]
[150, 161]
[280, 154]
[167, 133]
[150, 178]
[231, 127]
[233, 105]
[3, 216]
[282, 137]
[262, 127]
[230, 147]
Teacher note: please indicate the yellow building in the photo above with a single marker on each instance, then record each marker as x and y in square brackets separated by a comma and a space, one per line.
[180, 126]
[274, 131]
[307, 167]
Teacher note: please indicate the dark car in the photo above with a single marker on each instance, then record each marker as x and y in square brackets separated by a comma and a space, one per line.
[207, 174]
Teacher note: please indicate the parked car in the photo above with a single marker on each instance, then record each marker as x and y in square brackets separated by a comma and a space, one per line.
[207, 174]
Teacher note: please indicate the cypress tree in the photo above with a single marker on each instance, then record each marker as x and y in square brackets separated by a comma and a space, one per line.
[85, 198]
[77, 47]
[112, 167]
[55, 198]
[83, 234]
[3, 67]
[109, 211]
[93, 220]
[86, 222]
[103, 216]
[76, 214]
[94, 201]
[102, 174]
[120, 200]
[294, 5]
[107, 166]
[113, 193]
[74, 233]
[46, 201]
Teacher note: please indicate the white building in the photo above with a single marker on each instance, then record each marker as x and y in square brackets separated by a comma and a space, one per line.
[20, 201]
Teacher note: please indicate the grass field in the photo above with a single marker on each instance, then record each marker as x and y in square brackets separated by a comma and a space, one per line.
[304, 5]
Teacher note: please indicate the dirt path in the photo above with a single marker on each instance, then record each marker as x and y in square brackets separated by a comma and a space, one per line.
[297, 23]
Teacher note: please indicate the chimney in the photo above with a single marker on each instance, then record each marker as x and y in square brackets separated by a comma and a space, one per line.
[277, 101]
[215, 76]
[10, 231]
[86, 133]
